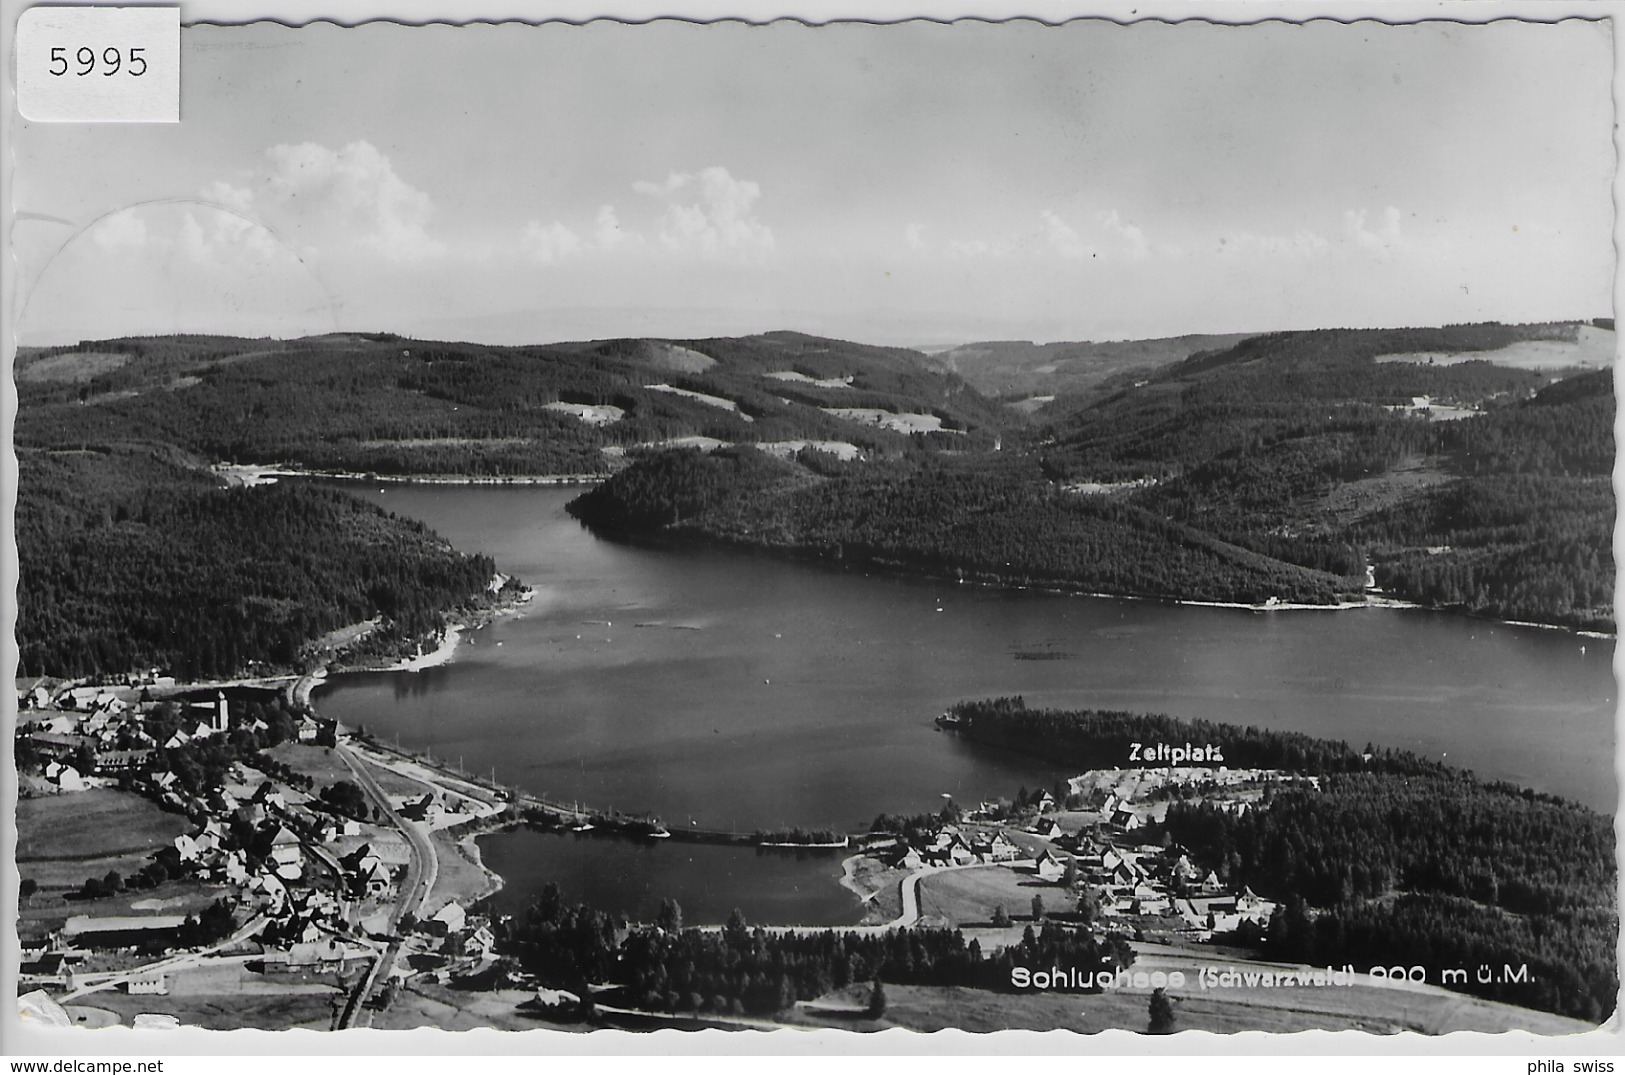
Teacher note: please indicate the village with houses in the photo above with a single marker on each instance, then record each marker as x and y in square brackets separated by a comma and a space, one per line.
[1095, 856]
[275, 860]
[222, 857]
[199, 856]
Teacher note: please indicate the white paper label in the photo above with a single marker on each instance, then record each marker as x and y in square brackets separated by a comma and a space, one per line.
[99, 64]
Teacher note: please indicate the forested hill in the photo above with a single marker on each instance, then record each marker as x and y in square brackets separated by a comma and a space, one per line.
[1284, 467]
[1017, 370]
[389, 405]
[970, 518]
[129, 560]
[1270, 468]
[133, 556]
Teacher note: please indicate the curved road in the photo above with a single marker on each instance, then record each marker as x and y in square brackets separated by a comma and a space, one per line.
[421, 871]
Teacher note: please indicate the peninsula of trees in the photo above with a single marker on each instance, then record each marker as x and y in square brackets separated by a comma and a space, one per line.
[129, 561]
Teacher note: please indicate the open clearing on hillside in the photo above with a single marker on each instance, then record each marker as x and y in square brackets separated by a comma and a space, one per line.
[1103, 488]
[74, 366]
[1032, 404]
[1355, 500]
[901, 423]
[703, 444]
[802, 378]
[700, 397]
[592, 414]
[784, 449]
[678, 359]
[1425, 407]
[1593, 349]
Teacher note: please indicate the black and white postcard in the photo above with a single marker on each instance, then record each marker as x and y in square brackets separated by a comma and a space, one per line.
[1098, 525]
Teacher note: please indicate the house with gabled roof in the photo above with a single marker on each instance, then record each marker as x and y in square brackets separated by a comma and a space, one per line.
[187, 848]
[1049, 867]
[452, 917]
[1044, 827]
[273, 888]
[269, 795]
[373, 879]
[1126, 819]
[33, 695]
[900, 856]
[479, 941]
[64, 776]
[995, 848]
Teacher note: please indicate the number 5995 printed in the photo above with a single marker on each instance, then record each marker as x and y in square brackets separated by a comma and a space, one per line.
[109, 60]
[92, 64]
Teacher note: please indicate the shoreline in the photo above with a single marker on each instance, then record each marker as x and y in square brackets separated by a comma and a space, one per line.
[469, 844]
[248, 474]
[436, 657]
[446, 648]
[1371, 599]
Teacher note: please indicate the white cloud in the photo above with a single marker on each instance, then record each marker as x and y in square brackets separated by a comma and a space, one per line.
[709, 213]
[547, 243]
[223, 193]
[1386, 236]
[1133, 239]
[201, 231]
[1111, 235]
[607, 229]
[120, 231]
[334, 201]
[222, 236]
[1063, 238]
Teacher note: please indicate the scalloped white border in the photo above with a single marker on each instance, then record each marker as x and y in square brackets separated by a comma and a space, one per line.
[1132, 1050]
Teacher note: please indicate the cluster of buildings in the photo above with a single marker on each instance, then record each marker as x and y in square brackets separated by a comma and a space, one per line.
[1100, 847]
[91, 734]
[316, 885]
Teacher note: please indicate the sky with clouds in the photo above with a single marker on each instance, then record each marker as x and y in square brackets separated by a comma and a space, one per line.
[916, 183]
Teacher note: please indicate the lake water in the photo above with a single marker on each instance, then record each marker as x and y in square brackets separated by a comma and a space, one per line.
[739, 691]
[708, 880]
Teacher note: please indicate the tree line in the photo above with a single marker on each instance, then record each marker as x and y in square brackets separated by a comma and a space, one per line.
[745, 971]
[1435, 869]
[1096, 739]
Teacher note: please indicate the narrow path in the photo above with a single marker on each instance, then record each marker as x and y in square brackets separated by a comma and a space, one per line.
[910, 889]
